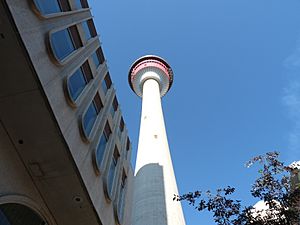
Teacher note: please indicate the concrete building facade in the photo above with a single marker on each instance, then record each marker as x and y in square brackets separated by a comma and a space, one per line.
[64, 148]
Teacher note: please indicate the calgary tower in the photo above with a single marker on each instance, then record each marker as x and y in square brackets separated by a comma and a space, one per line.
[151, 77]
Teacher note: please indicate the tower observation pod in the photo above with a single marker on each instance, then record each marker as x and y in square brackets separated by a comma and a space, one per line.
[151, 77]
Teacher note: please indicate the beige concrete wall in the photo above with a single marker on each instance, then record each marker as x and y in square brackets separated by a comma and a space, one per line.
[16, 183]
[50, 76]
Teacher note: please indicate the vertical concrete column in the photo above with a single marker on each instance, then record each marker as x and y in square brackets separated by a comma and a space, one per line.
[152, 138]
[155, 183]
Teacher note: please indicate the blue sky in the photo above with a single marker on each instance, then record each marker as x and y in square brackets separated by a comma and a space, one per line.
[236, 90]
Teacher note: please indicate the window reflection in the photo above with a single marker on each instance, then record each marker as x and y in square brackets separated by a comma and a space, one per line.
[121, 202]
[95, 59]
[87, 31]
[77, 83]
[127, 148]
[78, 80]
[62, 44]
[106, 83]
[52, 6]
[121, 128]
[79, 4]
[102, 145]
[48, 6]
[90, 116]
[112, 169]
[114, 107]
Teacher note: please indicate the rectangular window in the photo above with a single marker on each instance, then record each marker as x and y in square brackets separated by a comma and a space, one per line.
[106, 83]
[78, 80]
[87, 71]
[98, 57]
[121, 128]
[90, 118]
[65, 6]
[128, 144]
[112, 169]
[101, 149]
[81, 4]
[102, 144]
[86, 30]
[76, 83]
[107, 130]
[62, 44]
[127, 147]
[52, 6]
[48, 7]
[90, 28]
[75, 36]
[114, 107]
[91, 114]
[121, 202]
[98, 102]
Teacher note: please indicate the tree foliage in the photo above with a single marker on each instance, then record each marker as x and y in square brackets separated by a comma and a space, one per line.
[280, 197]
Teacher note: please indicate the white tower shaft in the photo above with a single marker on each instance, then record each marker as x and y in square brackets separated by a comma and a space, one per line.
[153, 139]
[155, 183]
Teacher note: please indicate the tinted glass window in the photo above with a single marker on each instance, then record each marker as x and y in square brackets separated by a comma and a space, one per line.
[112, 169]
[102, 144]
[98, 102]
[104, 86]
[86, 29]
[62, 44]
[96, 59]
[48, 6]
[127, 148]
[121, 128]
[89, 118]
[106, 83]
[112, 111]
[78, 80]
[127, 144]
[75, 36]
[76, 83]
[81, 4]
[121, 202]
[101, 149]
[78, 4]
[114, 107]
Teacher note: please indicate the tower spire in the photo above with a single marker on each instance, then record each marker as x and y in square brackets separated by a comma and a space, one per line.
[150, 77]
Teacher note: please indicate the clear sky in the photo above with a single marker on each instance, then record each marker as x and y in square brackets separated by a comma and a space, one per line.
[236, 90]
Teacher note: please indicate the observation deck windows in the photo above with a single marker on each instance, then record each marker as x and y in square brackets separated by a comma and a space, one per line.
[64, 42]
[78, 80]
[90, 115]
[102, 145]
